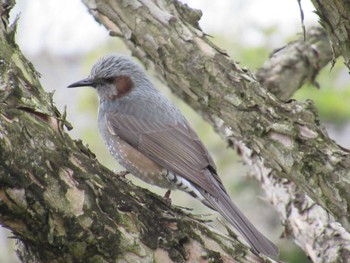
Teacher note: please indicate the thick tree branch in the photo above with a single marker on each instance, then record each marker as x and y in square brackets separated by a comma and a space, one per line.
[63, 205]
[287, 137]
[70, 203]
[267, 126]
[288, 68]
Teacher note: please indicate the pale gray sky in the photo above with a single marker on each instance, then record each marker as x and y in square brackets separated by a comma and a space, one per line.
[64, 23]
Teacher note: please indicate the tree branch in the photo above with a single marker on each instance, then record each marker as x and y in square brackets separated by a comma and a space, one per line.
[63, 205]
[289, 67]
[292, 146]
[334, 17]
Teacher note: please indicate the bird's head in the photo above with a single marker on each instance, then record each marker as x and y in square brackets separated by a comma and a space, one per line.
[114, 77]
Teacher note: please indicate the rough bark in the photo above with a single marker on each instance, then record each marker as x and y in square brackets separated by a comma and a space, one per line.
[334, 17]
[66, 207]
[306, 174]
[289, 67]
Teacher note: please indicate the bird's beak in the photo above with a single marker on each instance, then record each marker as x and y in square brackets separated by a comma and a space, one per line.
[83, 83]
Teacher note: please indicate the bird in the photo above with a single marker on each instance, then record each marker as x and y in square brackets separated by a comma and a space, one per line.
[151, 139]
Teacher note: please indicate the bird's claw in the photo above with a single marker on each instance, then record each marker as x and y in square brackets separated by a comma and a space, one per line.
[122, 173]
[167, 198]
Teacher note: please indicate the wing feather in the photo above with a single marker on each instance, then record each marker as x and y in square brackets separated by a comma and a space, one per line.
[174, 145]
[167, 139]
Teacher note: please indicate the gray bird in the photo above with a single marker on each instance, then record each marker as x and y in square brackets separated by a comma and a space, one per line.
[151, 139]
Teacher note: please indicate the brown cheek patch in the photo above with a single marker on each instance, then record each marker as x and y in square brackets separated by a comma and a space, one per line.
[123, 85]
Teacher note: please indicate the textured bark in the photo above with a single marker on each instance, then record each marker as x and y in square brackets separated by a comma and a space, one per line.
[305, 173]
[289, 67]
[335, 19]
[63, 205]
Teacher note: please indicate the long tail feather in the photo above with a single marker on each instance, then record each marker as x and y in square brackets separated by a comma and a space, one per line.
[224, 205]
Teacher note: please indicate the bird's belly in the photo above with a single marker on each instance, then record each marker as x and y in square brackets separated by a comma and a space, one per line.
[137, 163]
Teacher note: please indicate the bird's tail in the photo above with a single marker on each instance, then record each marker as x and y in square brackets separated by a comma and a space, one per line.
[224, 205]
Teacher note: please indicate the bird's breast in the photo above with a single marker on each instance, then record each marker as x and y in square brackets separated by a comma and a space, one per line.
[133, 160]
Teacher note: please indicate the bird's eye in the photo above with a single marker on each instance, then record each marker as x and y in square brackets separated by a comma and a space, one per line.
[109, 80]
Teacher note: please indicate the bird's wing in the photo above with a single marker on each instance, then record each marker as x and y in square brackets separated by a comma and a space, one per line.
[173, 144]
[170, 143]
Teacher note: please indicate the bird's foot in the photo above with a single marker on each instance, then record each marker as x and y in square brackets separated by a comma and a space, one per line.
[122, 173]
[167, 198]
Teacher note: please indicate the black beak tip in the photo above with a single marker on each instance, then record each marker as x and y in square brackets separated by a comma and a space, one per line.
[82, 83]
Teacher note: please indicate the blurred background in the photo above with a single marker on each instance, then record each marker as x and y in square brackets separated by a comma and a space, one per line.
[63, 41]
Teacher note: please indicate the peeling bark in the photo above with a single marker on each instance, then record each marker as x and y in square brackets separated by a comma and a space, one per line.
[298, 165]
[66, 207]
[63, 205]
